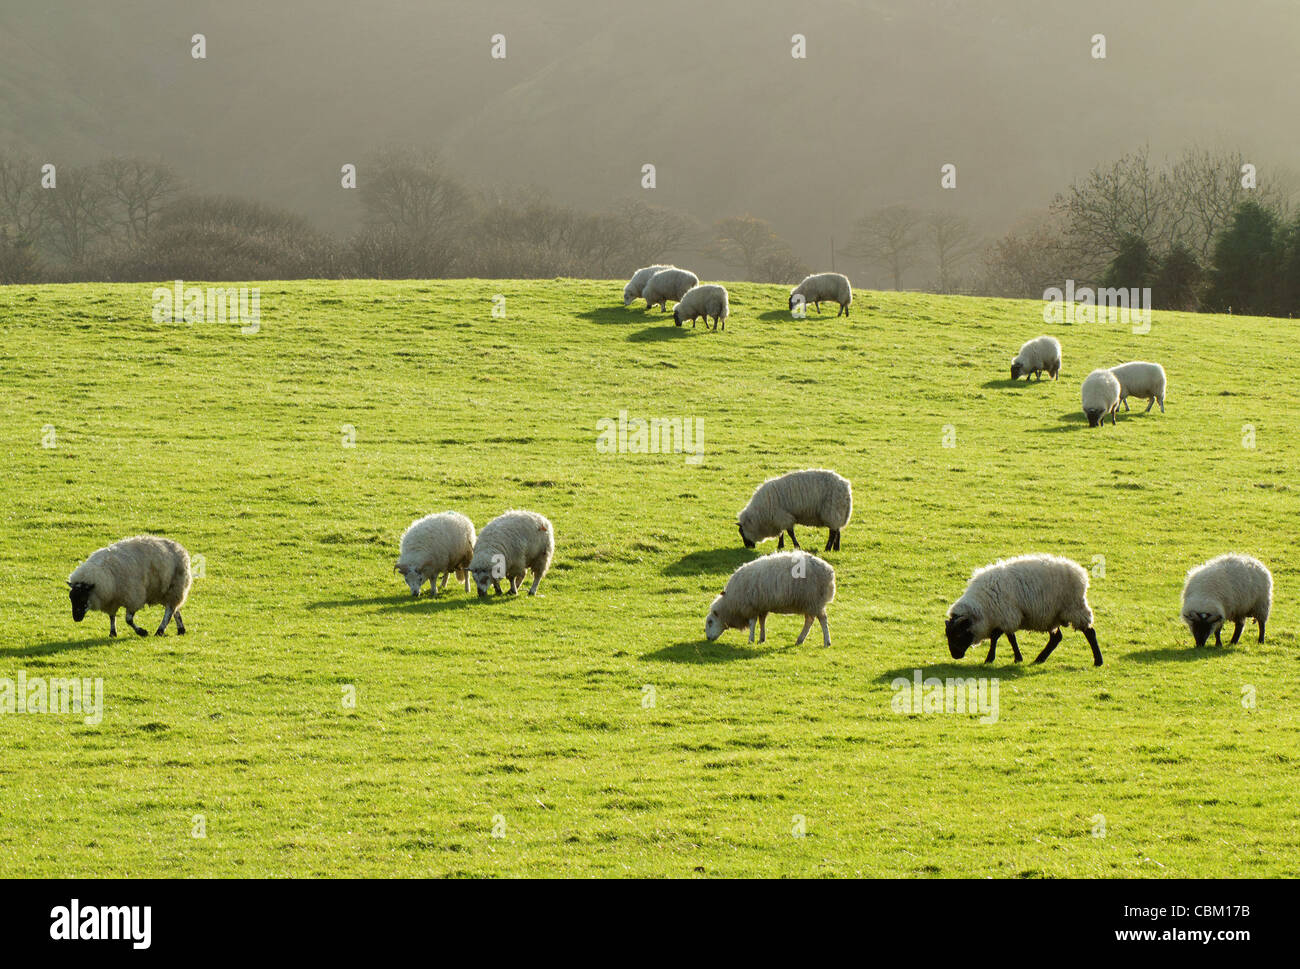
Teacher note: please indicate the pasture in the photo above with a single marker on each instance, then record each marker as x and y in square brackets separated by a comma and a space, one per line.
[591, 730]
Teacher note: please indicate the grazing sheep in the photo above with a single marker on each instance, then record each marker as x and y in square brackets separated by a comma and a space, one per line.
[507, 546]
[1036, 592]
[824, 288]
[1230, 587]
[668, 284]
[131, 574]
[632, 291]
[1100, 397]
[784, 582]
[708, 300]
[433, 546]
[1143, 381]
[817, 498]
[1039, 354]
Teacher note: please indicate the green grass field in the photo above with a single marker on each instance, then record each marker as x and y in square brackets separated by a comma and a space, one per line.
[591, 730]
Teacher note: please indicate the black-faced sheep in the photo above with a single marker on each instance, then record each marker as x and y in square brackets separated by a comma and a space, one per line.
[1228, 588]
[136, 572]
[816, 498]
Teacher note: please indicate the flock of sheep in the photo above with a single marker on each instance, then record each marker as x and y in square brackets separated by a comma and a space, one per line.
[657, 285]
[1103, 390]
[1039, 593]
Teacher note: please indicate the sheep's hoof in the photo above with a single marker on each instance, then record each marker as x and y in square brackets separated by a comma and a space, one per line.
[180, 632]
[161, 632]
[142, 632]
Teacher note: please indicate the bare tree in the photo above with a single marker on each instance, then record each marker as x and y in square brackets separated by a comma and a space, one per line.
[953, 241]
[1028, 260]
[660, 232]
[21, 205]
[139, 189]
[751, 245]
[411, 192]
[75, 214]
[887, 237]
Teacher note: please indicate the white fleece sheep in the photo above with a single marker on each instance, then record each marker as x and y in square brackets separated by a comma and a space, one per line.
[1039, 354]
[1143, 381]
[668, 284]
[136, 572]
[636, 285]
[824, 288]
[1100, 396]
[1230, 587]
[816, 497]
[1041, 593]
[433, 546]
[784, 582]
[707, 300]
[507, 546]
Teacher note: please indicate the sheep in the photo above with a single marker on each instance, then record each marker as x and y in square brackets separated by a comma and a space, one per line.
[823, 288]
[668, 284]
[1230, 587]
[130, 574]
[784, 582]
[1100, 397]
[1039, 354]
[509, 544]
[816, 497]
[632, 291]
[1035, 592]
[708, 300]
[1140, 379]
[436, 545]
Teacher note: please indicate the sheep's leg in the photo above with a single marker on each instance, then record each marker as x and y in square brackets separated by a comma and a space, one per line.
[1236, 632]
[1015, 647]
[752, 624]
[826, 629]
[807, 625]
[130, 621]
[112, 624]
[792, 538]
[1162, 405]
[1150, 403]
[1261, 629]
[837, 539]
[1218, 641]
[1053, 640]
[993, 645]
[780, 541]
[515, 582]
[445, 577]
[830, 540]
[496, 584]
[762, 628]
[1124, 401]
[180, 626]
[537, 580]
[162, 626]
[1092, 641]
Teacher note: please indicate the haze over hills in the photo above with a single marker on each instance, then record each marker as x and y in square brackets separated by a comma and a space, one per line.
[708, 92]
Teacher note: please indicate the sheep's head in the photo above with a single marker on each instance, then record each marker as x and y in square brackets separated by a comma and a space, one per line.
[1016, 369]
[482, 579]
[628, 296]
[79, 593]
[677, 314]
[749, 542]
[1203, 625]
[961, 634]
[713, 624]
[414, 577]
[1095, 416]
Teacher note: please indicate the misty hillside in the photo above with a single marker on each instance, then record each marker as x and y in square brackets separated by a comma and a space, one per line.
[589, 92]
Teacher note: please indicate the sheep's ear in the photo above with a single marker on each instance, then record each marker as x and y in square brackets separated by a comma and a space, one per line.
[401, 568]
[69, 583]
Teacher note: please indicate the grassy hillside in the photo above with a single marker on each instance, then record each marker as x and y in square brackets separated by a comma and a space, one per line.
[592, 727]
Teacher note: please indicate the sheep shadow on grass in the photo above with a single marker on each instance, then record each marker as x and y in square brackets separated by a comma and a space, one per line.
[703, 651]
[1073, 421]
[65, 645]
[1181, 654]
[653, 334]
[447, 600]
[613, 315]
[1002, 670]
[1006, 383]
[719, 561]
